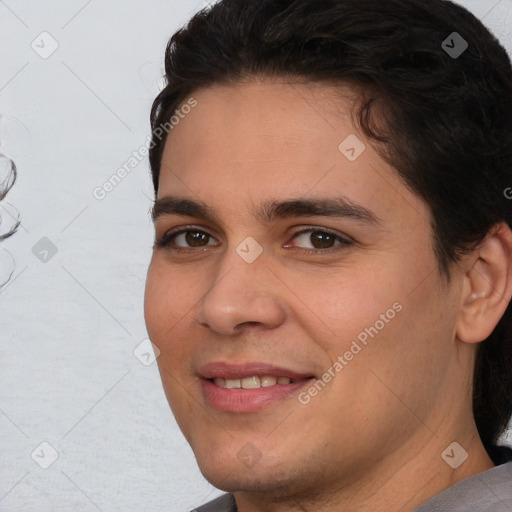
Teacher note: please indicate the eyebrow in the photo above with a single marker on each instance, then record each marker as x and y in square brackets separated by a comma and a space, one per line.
[270, 210]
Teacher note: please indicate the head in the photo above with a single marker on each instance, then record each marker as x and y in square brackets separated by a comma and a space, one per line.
[300, 103]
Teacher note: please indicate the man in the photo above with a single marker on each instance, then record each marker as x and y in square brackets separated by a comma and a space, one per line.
[332, 273]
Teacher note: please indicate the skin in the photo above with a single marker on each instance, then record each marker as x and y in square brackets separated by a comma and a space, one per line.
[372, 439]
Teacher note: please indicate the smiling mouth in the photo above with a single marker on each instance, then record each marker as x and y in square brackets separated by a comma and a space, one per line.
[244, 392]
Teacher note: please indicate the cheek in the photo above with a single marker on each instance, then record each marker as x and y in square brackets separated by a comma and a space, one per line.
[409, 358]
[349, 301]
[168, 296]
[165, 308]
[389, 319]
[154, 302]
[169, 300]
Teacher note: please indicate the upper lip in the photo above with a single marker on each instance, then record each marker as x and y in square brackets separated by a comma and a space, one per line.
[239, 371]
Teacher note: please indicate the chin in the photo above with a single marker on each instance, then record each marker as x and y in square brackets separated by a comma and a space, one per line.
[244, 470]
[235, 481]
[220, 461]
[232, 479]
[270, 482]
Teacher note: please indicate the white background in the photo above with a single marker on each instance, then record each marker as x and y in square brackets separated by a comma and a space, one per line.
[68, 326]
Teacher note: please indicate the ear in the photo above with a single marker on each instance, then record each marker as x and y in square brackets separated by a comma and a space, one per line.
[487, 286]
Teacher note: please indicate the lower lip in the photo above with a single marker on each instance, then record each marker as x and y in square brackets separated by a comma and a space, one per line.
[249, 400]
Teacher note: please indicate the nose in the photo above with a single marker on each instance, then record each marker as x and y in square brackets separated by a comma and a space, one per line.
[242, 295]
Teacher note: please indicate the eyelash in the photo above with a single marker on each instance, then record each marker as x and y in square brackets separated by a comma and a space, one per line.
[166, 240]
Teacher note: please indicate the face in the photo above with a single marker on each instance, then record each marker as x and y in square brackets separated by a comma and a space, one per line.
[304, 257]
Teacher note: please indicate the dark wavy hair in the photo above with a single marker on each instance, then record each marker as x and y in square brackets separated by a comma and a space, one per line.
[447, 127]
[5, 186]
[7, 178]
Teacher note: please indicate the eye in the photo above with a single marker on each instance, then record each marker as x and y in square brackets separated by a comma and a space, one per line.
[321, 240]
[185, 238]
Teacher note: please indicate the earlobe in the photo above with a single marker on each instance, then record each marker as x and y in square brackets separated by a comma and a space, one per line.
[487, 287]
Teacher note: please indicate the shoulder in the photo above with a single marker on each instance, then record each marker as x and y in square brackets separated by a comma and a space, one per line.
[224, 503]
[490, 491]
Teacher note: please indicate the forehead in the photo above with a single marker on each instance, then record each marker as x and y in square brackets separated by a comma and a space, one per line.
[284, 115]
[281, 139]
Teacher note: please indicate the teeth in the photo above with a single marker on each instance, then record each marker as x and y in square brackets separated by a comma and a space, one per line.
[268, 380]
[251, 382]
[233, 383]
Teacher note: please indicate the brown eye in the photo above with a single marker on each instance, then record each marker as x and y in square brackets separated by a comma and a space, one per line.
[186, 238]
[196, 238]
[320, 240]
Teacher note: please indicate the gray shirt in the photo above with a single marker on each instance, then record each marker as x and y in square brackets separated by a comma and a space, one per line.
[490, 491]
